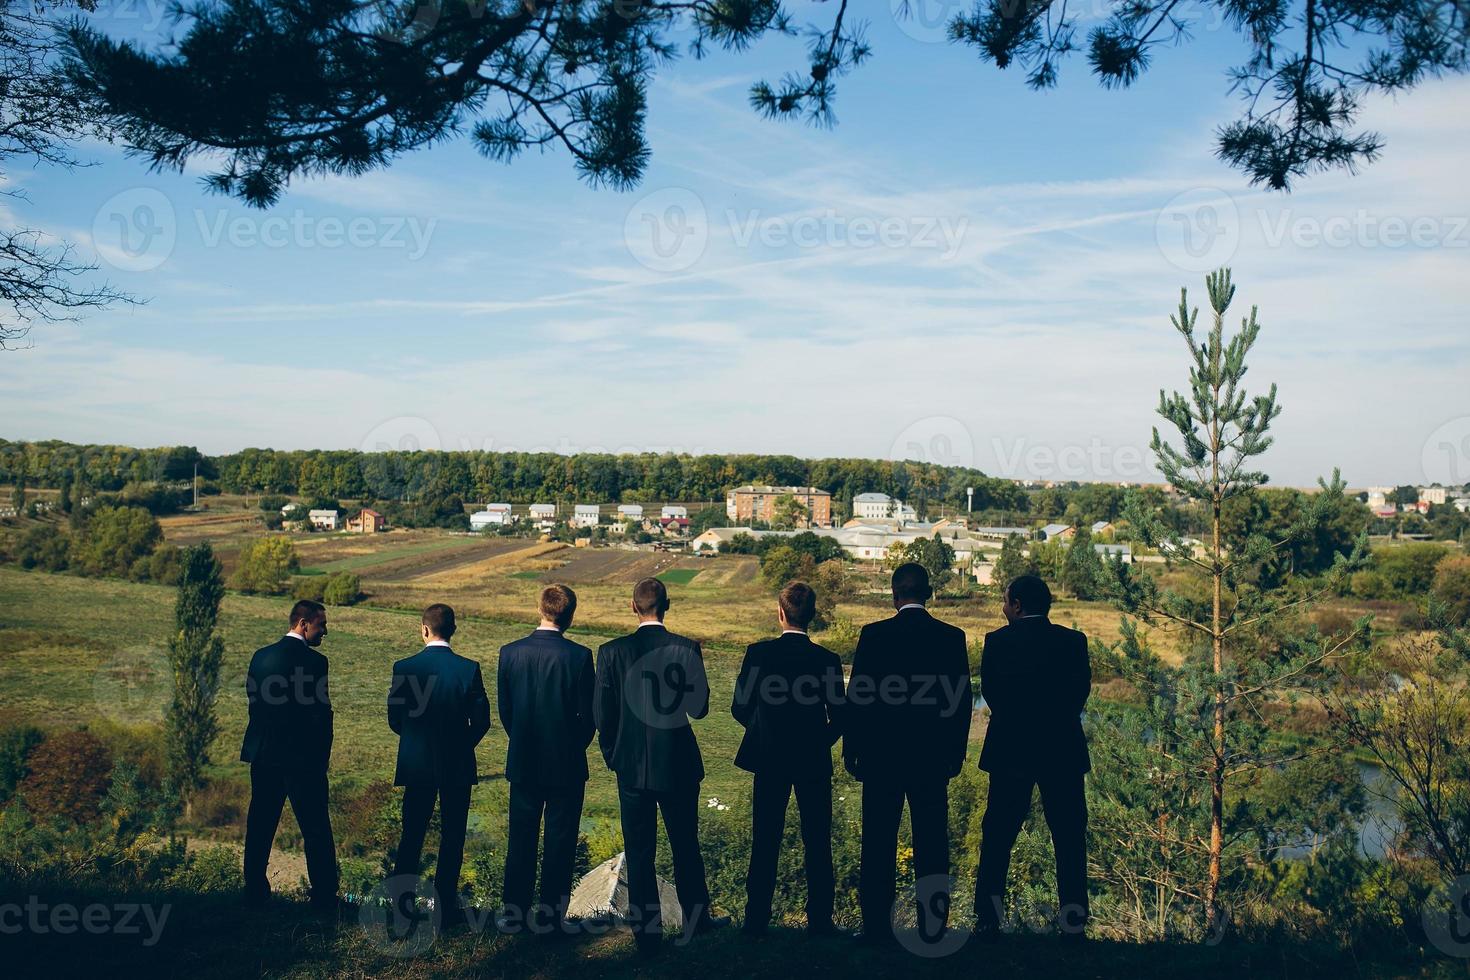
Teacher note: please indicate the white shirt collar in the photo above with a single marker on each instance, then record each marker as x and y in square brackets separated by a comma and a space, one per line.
[437, 643]
[911, 605]
[547, 629]
[1033, 616]
[797, 632]
[295, 636]
[651, 622]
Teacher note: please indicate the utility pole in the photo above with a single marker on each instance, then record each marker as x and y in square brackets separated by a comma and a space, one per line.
[196, 484]
[970, 499]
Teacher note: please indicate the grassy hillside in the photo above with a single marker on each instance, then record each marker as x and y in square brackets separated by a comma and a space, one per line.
[78, 649]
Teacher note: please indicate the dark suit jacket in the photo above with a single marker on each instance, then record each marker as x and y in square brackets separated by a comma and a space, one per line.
[788, 697]
[909, 700]
[650, 683]
[1035, 677]
[544, 687]
[290, 712]
[438, 707]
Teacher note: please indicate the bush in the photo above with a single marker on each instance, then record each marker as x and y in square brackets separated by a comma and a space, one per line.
[46, 547]
[210, 870]
[342, 589]
[162, 567]
[1452, 588]
[70, 774]
[15, 751]
[1408, 569]
[273, 502]
[841, 638]
[266, 566]
[115, 539]
[309, 587]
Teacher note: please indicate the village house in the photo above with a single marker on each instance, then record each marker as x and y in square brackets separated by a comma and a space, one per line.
[752, 503]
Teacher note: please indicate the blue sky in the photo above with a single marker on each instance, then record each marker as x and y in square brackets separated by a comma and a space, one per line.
[962, 270]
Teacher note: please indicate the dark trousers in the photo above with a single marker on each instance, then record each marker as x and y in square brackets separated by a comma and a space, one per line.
[1065, 805]
[454, 815]
[562, 809]
[814, 804]
[680, 808]
[929, 820]
[270, 787]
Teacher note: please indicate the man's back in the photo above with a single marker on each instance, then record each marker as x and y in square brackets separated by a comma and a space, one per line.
[1035, 678]
[438, 707]
[545, 685]
[910, 699]
[788, 698]
[650, 683]
[290, 712]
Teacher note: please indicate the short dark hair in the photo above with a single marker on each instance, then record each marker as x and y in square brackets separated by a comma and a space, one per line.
[911, 581]
[307, 610]
[558, 604]
[799, 602]
[650, 597]
[1031, 592]
[439, 618]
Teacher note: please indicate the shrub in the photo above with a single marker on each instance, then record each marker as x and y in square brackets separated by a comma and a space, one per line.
[1408, 569]
[272, 503]
[368, 821]
[1452, 588]
[208, 870]
[70, 774]
[309, 587]
[15, 751]
[46, 547]
[266, 566]
[115, 539]
[342, 589]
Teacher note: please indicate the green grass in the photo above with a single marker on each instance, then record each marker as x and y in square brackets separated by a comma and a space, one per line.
[526, 575]
[384, 556]
[678, 576]
[76, 650]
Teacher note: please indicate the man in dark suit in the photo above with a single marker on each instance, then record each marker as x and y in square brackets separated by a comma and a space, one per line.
[650, 683]
[907, 726]
[288, 742]
[438, 707]
[545, 687]
[1035, 678]
[788, 697]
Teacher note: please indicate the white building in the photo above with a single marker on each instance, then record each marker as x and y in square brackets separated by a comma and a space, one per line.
[543, 516]
[865, 542]
[1462, 504]
[324, 520]
[1378, 497]
[586, 515]
[1432, 495]
[1057, 531]
[494, 515]
[674, 511]
[876, 505]
[630, 512]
